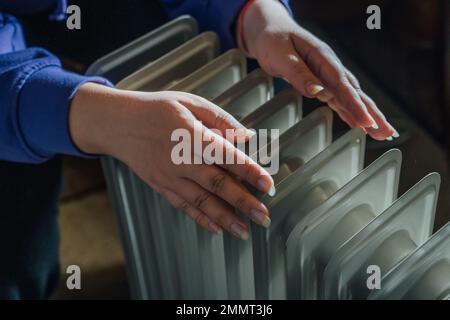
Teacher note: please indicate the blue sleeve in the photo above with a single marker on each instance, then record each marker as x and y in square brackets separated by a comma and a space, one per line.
[215, 15]
[35, 98]
[32, 6]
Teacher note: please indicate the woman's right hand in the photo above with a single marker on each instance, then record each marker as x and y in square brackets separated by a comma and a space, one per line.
[136, 128]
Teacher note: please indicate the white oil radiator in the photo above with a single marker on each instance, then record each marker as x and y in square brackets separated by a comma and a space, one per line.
[334, 223]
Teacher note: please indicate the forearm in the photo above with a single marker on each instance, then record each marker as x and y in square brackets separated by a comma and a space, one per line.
[29, 6]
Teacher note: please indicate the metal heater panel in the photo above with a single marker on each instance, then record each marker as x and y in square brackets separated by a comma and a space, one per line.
[296, 195]
[247, 95]
[175, 65]
[320, 233]
[120, 63]
[281, 112]
[423, 275]
[302, 142]
[384, 242]
[216, 77]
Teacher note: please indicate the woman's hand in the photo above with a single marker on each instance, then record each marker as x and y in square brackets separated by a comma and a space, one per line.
[285, 49]
[136, 128]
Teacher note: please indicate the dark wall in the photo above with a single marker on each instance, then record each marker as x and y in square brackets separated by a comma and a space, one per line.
[106, 25]
[405, 57]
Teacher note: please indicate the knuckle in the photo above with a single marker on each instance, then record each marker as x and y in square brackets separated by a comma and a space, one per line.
[222, 120]
[322, 48]
[224, 219]
[368, 100]
[200, 200]
[240, 203]
[183, 206]
[218, 182]
[358, 90]
[340, 82]
[300, 71]
[316, 50]
[199, 218]
[346, 87]
[353, 80]
[246, 173]
[357, 86]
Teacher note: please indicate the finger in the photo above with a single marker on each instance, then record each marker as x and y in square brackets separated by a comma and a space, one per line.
[214, 117]
[216, 209]
[235, 161]
[352, 79]
[294, 70]
[195, 214]
[385, 130]
[214, 149]
[325, 95]
[323, 63]
[218, 182]
[343, 113]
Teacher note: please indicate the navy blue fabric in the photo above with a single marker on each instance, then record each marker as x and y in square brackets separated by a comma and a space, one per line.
[34, 99]
[29, 229]
[215, 15]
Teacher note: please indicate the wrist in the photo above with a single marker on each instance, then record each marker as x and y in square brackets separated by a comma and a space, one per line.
[92, 118]
[255, 18]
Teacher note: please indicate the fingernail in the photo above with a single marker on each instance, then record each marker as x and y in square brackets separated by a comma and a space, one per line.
[373, 124]
[260, 217]
[314, 89]
[266, 186]
[238, 231]
[250, 133]
[215, 228]
[272, 191]
[396, 134]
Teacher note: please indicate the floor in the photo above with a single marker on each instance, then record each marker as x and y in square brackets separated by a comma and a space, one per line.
[89, 235]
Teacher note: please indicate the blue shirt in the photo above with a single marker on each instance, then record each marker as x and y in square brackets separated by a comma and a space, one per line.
[35, 92]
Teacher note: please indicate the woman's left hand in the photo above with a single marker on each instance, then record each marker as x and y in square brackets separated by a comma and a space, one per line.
[285, 49]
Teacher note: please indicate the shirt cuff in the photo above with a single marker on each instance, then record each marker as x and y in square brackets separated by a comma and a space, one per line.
[220, 18]
[287, 4]
[224, 28]
[43, 111]
[60, 11]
